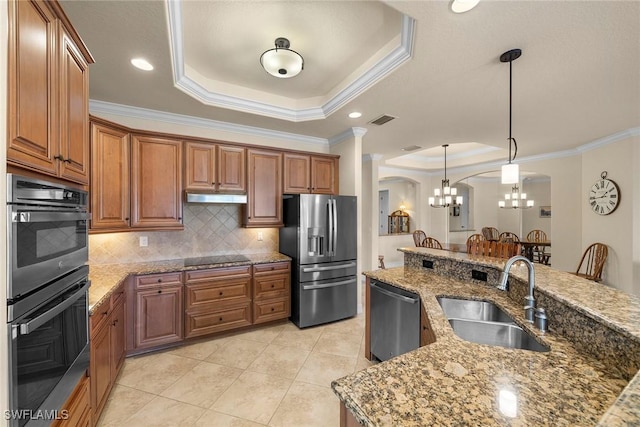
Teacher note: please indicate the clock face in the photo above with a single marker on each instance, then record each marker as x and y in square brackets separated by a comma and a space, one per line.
[604, 196]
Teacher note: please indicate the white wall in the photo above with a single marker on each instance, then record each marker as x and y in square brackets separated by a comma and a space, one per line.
[540, 192]
[4, 367]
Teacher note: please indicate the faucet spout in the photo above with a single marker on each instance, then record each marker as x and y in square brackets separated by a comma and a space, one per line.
[530, 302]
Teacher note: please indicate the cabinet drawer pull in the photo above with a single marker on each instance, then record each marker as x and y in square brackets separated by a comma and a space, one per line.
[159, 291]
[159, 280]
[104, 313]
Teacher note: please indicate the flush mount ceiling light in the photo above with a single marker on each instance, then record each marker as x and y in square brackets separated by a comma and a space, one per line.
[445, 196]
[461, 6]
[281, 61]
[142, 64]
[355, 115]
[511, 171]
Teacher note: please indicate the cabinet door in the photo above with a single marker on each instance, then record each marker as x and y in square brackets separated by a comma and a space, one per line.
[33, 86]
[231, 174]
[117, 338]
[77, 407]
[156, 183]
[323, 175]
[100, 367]
[158, 316]
[74, 112]
[110, 192]
[200, 166]
[297, 176]
[264, 197]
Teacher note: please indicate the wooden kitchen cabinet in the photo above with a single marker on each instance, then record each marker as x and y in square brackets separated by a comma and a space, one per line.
[110, 172]
[48, 92]
[158, 310]
[107, 325]
[271, 291]
[214, 167]
[264, 195]
[310, 174]
[77, 406]
[217, 299]
[156, 182]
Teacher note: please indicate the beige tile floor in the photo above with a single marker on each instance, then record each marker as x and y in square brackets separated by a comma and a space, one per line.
[276, 376]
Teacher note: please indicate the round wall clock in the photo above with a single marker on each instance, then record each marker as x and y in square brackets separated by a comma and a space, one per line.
[604, 196]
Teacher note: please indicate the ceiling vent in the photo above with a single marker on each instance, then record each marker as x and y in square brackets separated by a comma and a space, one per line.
[382, 120]
[411, 148]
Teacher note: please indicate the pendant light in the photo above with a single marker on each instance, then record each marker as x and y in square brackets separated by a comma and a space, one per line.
[281, 61]
[510, 171]
[445, 196]
[516, 199]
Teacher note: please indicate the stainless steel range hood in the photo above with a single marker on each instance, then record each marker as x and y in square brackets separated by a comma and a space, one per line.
[194, 197]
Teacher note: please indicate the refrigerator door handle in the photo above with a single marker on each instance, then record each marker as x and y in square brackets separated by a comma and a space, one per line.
[328, 285]
[331, 225]
[334, 267]
[335, 225]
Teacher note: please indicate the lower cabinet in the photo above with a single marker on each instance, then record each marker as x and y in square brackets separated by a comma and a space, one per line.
[271, 291]
[77, 407]
[107, 348]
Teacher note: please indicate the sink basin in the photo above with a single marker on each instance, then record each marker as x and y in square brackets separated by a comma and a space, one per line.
[456, 308]
[494, 333]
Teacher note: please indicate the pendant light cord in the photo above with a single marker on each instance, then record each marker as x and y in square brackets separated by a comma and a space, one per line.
[515, 144]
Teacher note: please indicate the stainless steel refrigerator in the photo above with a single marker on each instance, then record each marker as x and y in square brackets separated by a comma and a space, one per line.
[319, 233]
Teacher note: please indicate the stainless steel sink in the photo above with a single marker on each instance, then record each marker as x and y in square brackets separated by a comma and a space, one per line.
[494, 333]
[483, 322]
[456, 308]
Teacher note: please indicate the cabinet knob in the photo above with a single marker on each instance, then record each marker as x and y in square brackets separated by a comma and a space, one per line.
[159, 291]
[59, 157]
[220, 319]
[272, 286]
[159, 280]
[220, 293]
[115, 322]
[104, 313]
[126, 219]
[272, 309]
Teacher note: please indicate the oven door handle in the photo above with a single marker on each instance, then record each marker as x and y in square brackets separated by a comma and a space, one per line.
[33, 324]
[40, 216]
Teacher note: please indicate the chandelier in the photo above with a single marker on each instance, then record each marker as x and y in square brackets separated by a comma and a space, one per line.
[515, 199]
[510, 171]
[445, 195]
[281, 61]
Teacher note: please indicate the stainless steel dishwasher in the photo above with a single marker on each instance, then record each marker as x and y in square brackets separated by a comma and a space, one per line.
[395, 320]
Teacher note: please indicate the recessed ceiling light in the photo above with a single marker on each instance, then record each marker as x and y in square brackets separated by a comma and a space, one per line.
[461, 6]
[142, 64]
[355, 115]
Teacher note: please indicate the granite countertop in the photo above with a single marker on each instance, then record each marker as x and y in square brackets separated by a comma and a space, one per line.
[105, 278]
[456, 382]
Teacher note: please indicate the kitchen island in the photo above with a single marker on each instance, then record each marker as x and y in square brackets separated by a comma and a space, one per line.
[588, 377]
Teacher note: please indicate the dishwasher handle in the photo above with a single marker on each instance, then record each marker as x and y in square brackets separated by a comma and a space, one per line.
[393, 294]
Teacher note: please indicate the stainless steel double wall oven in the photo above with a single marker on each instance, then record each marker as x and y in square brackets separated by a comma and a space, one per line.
[47, 297]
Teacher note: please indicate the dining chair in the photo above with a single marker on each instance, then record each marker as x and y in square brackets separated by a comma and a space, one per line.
[473, 238]
[430, 242]
[507, 236]
[491, 248]
[540, 253]
[490, 233]
[418, 237]
[592, 262]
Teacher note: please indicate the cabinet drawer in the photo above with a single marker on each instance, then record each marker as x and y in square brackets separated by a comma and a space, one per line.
[271, 267]
[153, 280]
[77, 407]
[100, 315]
[216, 273]
[272, 309]
[271, 286]
[233, 290]
[203, 323]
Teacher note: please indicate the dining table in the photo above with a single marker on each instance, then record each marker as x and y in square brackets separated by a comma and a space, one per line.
[529, 248]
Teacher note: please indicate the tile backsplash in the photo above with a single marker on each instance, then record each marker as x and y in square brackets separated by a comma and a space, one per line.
[208, 230]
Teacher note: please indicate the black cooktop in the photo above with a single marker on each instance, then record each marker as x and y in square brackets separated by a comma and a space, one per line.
[216, 259]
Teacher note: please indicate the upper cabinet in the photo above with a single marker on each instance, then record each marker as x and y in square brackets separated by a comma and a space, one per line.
[214, 167]
[48, 93]
[310, 174]
[156, 182]
[264, 195]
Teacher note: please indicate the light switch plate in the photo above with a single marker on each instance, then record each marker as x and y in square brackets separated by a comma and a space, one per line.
[260, 236]
[144, 241]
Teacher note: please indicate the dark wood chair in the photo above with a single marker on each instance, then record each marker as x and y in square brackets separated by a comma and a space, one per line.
[592, 262]
[540, 253]
[472, 239]
[509, 237]
[490, 233]
[430, 242]
[418, 237]
[491, 248]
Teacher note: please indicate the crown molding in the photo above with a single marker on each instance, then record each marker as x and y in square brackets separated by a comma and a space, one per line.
[371, 157]
[351, 132]
[97, 107]
[370, 77]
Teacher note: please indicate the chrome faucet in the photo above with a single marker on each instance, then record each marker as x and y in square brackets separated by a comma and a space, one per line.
[530, 302]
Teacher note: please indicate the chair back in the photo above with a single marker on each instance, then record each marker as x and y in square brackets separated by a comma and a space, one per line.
[430, 242]
[418, 237]
[592, 262]
[472, 239]
[507, 236]
[491, 248]
[490, 233]
[536, 236]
